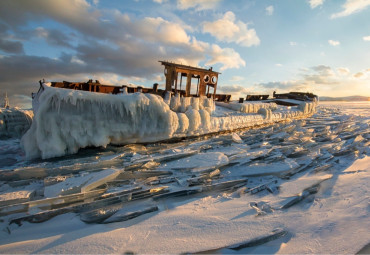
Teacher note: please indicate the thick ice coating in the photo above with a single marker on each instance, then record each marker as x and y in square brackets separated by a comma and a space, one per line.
[14, 122]
[67, 120]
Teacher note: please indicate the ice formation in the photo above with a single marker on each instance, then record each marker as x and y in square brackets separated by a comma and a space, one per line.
[67, 120]
[83, 183]
[14, 122]
[248, 107]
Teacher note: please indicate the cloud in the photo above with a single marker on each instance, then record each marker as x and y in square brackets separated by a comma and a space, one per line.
[350, 7]
[197, 4]
[343, 71]
[334, 43]
[77, 14]
[366, 38]
[53, 37]
[323, 81]
[9, 46]
[122, 39]
[7, 43]
[76, 60]
[321, 75]
[236, 91]
[99, 44]
[359, 75]
[269, 10]
[292, 43]
[315, 3]
[227, 56]
[227, 29]
[283, 86]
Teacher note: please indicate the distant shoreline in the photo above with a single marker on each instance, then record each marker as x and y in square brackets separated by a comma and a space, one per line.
[349, 99]
[342, 100]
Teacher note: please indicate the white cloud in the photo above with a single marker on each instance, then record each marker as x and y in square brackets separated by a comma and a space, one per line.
[76, 60]
[359, 75]
[350, 7]
[227, 29]
[292, 43]
[278, 65]
[334, 43]
[315, 3]
[158, 29]
[269, 10]
[366, 38]
[343, 71]
[197, 4]
[41, 32]
[228, 57]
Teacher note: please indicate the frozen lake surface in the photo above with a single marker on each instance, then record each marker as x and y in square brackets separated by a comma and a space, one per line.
[295, 187]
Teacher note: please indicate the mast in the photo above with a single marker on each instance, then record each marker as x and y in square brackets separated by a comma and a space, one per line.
[6, 101]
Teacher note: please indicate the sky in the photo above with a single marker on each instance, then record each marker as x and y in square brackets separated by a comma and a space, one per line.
[259, 46]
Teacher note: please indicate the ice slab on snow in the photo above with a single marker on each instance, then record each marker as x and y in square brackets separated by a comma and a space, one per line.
[236, 138]
[260, 169]
[297, 186]
[200, 162]
[81, 183]
[14, 197]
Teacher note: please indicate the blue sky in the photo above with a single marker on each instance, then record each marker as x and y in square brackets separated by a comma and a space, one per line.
[321, 46]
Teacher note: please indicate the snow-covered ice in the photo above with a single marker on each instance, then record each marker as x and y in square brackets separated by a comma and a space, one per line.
[299, 187]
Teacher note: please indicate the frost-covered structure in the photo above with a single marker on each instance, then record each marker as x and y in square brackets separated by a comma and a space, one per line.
[14, 122]
[67, 120]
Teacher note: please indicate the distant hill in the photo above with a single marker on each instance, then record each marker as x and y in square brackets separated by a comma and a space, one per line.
[350, 98]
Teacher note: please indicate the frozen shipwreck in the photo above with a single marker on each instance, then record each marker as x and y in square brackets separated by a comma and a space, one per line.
[14, 122]
[69, 115]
